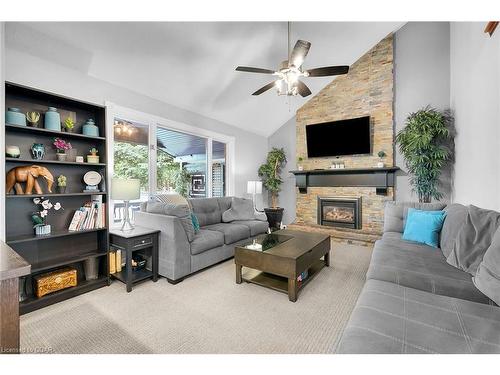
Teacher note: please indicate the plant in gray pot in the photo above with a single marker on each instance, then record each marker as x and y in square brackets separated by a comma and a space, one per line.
[271, 179]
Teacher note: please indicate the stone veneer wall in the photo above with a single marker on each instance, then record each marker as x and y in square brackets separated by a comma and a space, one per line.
[367, 90]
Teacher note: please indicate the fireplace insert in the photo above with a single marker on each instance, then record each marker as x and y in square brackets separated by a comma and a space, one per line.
[341, 212]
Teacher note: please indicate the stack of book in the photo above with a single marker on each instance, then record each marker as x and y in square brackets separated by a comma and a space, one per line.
[90, 216]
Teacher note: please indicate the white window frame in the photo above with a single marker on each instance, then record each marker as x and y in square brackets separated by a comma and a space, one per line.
[116, 111]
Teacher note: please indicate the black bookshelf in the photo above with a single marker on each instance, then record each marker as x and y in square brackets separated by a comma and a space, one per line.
[61, 247]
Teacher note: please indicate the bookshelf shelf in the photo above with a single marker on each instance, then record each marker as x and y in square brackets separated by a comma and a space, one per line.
[43, 161]
[56, 262]
[62, 233]
[51, 133]
[12, 196]
[33, 303]
[62, 247]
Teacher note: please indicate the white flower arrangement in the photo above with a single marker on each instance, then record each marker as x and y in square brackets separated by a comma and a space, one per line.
[40, 217]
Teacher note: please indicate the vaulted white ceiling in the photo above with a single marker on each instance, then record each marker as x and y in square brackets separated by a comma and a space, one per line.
[191, 65]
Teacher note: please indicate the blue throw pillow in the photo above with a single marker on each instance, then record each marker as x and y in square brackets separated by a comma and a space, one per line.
[196, 223]
[424, 226]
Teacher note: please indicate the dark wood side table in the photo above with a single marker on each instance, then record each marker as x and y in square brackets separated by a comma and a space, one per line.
[139, 238]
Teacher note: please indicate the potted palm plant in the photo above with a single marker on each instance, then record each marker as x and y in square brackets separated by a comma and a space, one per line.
[270, 173]
[424, 143]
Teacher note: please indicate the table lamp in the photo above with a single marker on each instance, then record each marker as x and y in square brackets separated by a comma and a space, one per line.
[126, 190]
[254, 187]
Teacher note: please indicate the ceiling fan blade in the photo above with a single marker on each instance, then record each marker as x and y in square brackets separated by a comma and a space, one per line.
[264, 88]
[249, 69]
[299, 53]
[328, 71]
[303, 89]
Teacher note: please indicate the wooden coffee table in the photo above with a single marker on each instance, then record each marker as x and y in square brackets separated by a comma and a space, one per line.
[285, 254]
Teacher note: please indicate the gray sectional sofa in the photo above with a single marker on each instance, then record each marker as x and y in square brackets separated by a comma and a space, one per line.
[181, 254]
[414, 301]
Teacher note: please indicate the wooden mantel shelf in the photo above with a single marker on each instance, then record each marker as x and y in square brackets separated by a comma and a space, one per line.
[379, 178]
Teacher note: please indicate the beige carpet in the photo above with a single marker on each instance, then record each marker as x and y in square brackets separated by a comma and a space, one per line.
[206, 313]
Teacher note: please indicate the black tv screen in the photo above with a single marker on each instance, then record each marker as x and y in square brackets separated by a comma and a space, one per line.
[339, 138]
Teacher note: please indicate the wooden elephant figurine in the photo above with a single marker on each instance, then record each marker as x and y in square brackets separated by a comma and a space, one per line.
[28, 174]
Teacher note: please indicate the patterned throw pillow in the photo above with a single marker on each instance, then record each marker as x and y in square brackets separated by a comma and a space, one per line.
[172, 198]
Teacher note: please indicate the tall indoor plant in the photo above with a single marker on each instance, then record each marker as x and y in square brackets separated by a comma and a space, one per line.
[270, 173]
[424, 143]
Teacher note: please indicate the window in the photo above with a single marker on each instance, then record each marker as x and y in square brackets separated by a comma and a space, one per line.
[181, 163]
[131, 160]
[167, 157]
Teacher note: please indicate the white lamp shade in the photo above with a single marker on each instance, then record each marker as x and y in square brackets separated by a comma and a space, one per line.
[125, 190]
[254, 187]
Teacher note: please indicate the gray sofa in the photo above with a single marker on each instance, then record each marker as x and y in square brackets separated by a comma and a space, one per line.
[215, 242]
[414, 301]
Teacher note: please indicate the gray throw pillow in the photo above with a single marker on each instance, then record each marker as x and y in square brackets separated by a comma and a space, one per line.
[473, 239]
[395, 213]
[456, 214]
[181, 211]
[487, 278]
[241, 209]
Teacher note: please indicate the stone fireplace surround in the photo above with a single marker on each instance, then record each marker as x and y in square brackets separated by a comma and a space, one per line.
[367, 90]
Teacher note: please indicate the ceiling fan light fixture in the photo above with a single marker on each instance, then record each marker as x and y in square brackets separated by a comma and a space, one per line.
[290, 71]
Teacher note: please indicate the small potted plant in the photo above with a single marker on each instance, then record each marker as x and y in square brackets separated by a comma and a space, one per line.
[69, 125]
[39, 217]
[61, 184]
[61, 147]
[93, 157]
[300, 159]
[381, 154]
[33, 118]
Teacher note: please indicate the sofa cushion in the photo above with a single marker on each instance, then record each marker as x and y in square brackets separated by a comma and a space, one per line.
[241, 209]
[420, 267]
[487, 278]
[205, 240]
[455, 218]
[390, 318]
[232, 232]
[256, 226]
[224, 203]
[207, 210]
[395, 213]
[181, 211]
[474, 238]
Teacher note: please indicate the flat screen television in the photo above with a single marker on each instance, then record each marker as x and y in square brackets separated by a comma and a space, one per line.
[339, 138]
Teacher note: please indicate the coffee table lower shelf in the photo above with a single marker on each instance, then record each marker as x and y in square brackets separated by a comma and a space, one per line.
[276, 282]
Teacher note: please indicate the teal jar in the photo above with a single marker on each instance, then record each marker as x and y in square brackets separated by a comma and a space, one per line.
[90, 128]
[14, 116]
[52, 119]
[37, 151]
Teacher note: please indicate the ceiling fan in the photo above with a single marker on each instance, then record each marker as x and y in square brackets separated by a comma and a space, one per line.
[289, 71]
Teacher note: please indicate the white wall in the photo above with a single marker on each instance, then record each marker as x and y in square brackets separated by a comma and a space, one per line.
[475, 100]
[421, 78]
[2, 133]
[36, 72]
[285, 137]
